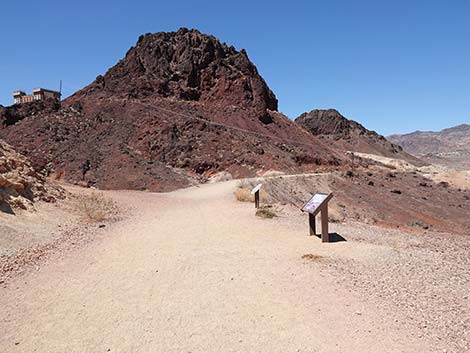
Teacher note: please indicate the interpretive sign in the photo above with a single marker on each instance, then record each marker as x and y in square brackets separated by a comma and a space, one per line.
[256, 188]
[318, 203]
[256, 192]
[314, 204]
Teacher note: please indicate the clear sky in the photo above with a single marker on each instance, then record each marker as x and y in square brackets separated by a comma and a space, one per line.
[392, 65]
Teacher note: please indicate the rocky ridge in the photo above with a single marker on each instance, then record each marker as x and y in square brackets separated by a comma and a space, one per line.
[433, 142]
[349, 135]
[450, 147]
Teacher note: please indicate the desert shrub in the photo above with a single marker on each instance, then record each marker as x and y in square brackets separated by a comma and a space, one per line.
[244, 195]
[263, 195]
[265, 213]
[312, 257]
[245, 184]
[444, 184]
[96, 207]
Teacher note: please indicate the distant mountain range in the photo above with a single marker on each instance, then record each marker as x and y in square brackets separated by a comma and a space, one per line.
[450, 146]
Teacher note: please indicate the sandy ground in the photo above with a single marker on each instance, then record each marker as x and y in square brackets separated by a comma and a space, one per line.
[438, 173]
[196, 271]
[31, 228]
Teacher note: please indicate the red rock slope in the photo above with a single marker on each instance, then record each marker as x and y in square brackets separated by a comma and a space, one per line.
[177, 108]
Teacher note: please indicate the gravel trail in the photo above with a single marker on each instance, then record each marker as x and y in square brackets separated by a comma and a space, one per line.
[196, 271]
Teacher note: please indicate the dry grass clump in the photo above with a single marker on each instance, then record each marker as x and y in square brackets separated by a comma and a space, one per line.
[265, 212]
[244, 184]
[312, 257]
[96, 207]
[244, 195]
[243, 191]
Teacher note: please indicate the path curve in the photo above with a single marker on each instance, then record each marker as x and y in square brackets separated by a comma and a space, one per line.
[194, 271]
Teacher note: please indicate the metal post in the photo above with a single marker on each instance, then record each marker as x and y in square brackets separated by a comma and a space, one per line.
[325, 237]
[311, 222]
[257, 199]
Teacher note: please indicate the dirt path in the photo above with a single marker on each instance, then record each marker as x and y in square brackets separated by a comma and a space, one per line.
[196, 271]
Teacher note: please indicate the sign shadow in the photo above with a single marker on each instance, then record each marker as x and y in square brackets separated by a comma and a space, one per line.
[334, 237]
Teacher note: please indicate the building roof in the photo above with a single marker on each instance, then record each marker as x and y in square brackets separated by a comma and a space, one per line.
[44, 90]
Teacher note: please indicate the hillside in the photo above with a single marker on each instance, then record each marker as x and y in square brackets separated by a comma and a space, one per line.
[449, 146]
[179, 107]
[348, 135]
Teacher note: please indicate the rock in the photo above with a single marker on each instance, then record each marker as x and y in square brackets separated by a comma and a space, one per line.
[83, 184]
[20, 184]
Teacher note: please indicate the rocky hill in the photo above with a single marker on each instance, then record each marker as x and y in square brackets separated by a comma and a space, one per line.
[179, 107]
[15, 113]
[449, 146]
[345, 134]
[20, 184]
[188, 66]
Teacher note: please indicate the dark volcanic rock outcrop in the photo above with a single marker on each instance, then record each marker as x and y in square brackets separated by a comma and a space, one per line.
[347, 134]
[15, 113]
[177, 108]
[186, 65]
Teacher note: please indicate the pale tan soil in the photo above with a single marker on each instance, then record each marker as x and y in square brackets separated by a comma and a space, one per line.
[30, 236]
[196, 271]
[29, 228]
[457, 178]
[437, 173]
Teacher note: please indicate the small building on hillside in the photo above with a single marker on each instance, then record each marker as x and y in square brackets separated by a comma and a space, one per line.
[37, 95]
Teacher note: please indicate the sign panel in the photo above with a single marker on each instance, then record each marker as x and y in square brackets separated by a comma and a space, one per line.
[256, 188]
[316, 202]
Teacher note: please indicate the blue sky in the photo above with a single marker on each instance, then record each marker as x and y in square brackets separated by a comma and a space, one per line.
[394, 66]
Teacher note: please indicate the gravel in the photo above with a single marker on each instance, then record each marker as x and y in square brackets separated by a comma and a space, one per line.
[424, 279]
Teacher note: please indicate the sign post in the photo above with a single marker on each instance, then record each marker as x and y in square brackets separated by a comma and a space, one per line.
[318, 204]
[256, 192]
[311, 223]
